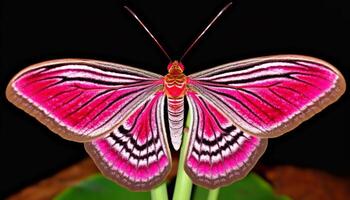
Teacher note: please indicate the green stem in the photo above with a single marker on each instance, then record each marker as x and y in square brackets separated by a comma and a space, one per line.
[160, 192]
[213, 194]
[183, 185]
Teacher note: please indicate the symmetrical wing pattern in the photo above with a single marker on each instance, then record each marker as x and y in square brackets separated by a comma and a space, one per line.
[118, 111]
[81, 99]
[269, 96]
[219, 152]
[136, 153]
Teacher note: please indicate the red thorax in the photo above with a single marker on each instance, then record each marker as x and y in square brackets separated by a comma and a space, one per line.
[175, 81]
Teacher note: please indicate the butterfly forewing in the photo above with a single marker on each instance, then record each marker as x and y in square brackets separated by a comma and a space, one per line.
[219, 153]
[136, 153]
[81, 99]
[269, 96]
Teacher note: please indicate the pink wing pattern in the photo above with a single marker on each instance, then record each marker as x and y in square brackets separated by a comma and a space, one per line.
[219, 153]
[81, 99]
[136, 153]
[269, 96]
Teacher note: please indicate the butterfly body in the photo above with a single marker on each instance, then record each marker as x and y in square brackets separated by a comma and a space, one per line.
[175, 88]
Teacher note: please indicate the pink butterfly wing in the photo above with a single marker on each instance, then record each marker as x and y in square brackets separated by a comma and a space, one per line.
[81, 99]
[269, 96]
[219, 153]
[136, 153]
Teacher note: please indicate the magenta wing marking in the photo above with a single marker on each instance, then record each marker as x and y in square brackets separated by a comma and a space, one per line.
[219, 153]
[81, 99]
[269, 96]
[136, 154]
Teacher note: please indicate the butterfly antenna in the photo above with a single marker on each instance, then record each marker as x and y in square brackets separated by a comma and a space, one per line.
[205, 30]
[152, 36]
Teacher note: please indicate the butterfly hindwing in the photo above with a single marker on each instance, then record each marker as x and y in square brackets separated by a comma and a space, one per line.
[136, 153]
[81, 99]
[219, 153]
[269, 96]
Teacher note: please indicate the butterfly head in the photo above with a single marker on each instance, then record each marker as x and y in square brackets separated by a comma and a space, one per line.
[176, 67]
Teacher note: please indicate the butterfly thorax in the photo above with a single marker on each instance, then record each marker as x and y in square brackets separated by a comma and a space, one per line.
[175, 81]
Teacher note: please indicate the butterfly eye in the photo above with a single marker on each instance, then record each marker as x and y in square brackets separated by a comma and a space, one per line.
[182, 67]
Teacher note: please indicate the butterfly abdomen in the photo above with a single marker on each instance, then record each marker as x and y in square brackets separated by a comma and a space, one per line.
[176, 120]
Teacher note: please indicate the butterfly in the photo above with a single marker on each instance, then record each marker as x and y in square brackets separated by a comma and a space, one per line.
[118, 112]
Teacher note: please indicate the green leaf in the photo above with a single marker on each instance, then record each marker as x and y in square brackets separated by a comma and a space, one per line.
[98, 187]
[251, 187]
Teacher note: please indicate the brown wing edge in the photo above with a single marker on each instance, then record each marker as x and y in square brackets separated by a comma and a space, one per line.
[232, 176]
[118, 177]
[328, 98]
[39, 114]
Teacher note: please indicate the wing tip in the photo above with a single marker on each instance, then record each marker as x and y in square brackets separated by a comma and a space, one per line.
[330, 97]
[28, 107]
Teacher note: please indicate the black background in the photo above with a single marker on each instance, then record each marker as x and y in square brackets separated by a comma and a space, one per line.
[34, 31]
